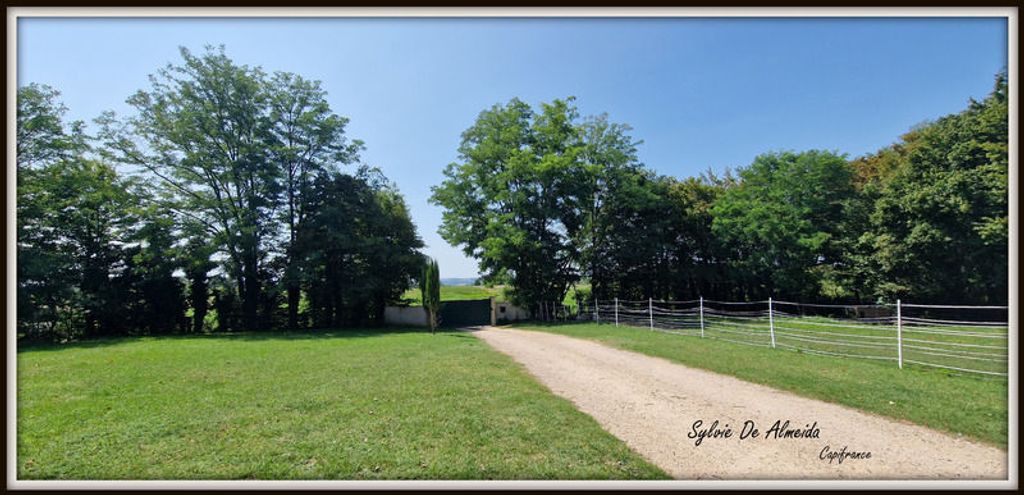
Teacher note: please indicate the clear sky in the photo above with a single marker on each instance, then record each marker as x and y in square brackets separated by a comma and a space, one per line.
[699, 92]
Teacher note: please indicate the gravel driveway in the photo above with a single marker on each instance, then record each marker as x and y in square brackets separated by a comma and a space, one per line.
[652, 405]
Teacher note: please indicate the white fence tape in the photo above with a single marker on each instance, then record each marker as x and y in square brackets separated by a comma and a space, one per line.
[942, 335]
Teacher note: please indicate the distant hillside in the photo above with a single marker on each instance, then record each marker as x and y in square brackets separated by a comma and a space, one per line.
[451, 292]
[458, 281]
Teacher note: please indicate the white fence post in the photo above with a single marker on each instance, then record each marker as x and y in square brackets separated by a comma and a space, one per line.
[702, 317]
[650, 310]
[616, 311]
[899, 333]
[597, 316]
[771, 321]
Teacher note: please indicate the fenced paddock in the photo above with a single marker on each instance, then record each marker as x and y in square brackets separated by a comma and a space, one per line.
[966, 339]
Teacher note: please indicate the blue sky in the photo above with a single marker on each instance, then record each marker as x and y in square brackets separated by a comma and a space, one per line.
[700, 93]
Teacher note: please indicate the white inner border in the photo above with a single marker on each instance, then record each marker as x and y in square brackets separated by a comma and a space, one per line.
[13, 13]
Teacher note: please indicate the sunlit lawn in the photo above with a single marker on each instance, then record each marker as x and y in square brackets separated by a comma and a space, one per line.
[340, 405]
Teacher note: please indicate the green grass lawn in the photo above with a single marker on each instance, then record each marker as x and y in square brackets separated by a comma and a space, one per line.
[471, 292]
[969, 405]
[339, 405]
[458, 293]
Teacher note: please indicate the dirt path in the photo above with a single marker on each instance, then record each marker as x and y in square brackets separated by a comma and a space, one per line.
[651, 404]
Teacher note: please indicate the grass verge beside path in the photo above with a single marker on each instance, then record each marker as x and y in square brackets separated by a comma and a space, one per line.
[968, 405]
[335, 405]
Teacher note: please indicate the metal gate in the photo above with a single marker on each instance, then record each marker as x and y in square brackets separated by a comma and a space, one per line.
[465, 313]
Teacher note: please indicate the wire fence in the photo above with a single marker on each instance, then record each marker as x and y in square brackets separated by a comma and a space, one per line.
[968, 339]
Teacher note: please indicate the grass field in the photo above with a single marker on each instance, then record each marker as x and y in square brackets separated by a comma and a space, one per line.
[458, 293]
[342, 405]
[967, 405]
[470, 292]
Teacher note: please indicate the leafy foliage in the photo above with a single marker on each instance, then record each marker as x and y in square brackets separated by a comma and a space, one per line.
[203, 130]
[543, 200]
[355, 250]
[430, 292]
[221, 205]
[939, 227]
[525, 197]
[780, 222]
[42, 135]
[236, 201]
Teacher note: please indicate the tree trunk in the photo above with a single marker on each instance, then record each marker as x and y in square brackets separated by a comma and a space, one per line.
[200, 302]
[293, 286]
[337, 294]
[250, 299]
[293, 306]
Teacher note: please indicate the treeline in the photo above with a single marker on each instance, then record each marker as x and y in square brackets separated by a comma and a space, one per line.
[545, 199]
[230, 200]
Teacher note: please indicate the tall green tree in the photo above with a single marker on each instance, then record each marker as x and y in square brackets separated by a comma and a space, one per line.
[73, 218]
[524, 199]
[43, 136]
[613, 182]
[356, 248]
[308, 138]
[154, 297]
[623, 242]
[91, 259]
[203, 129]
[939, 227]
[779, 223]
[701, 263]
[656, 240]
[430, 292]
[392, 247]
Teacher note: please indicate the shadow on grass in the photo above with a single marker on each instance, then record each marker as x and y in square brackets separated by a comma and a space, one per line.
[270, 335]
